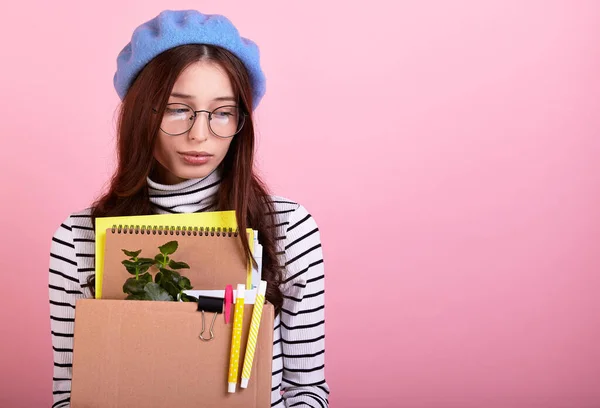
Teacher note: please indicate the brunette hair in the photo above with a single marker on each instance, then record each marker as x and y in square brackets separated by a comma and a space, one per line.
[241, 189]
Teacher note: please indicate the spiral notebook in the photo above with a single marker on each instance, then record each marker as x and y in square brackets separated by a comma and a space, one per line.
[222, 219]
[215, 255]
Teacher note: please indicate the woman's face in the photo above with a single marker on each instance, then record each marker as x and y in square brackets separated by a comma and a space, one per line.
[196, 153]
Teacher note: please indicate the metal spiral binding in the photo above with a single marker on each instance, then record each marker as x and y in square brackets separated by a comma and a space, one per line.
[166, 230]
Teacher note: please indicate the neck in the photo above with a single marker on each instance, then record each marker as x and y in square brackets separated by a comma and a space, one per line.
[192, 195]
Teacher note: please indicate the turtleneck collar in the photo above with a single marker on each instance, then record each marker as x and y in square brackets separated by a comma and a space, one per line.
[193, 195]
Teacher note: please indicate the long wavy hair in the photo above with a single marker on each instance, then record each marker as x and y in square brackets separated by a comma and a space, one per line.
[241, 189]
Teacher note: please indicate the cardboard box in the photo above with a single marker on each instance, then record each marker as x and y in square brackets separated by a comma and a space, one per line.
[130, 354]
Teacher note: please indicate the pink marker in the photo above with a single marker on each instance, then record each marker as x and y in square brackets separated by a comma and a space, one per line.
[228, 302]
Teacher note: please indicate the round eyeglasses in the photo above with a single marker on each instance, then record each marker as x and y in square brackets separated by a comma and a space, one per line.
[224, 121]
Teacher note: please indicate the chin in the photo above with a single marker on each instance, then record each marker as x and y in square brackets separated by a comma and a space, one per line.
[187, 174]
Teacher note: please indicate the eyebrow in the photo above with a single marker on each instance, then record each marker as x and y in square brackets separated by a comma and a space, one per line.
[186, 96]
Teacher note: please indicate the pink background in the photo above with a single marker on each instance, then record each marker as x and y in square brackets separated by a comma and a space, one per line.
[449, 151]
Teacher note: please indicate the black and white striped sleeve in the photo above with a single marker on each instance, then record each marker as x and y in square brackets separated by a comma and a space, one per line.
[64, 290]
[303, 314]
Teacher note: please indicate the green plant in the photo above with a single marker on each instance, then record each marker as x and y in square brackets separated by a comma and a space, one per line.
[168, 284]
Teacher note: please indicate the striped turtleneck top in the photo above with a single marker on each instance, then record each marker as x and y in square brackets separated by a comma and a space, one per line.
[299, 334]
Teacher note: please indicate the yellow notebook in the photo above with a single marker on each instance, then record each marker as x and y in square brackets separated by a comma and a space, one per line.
[222, 219]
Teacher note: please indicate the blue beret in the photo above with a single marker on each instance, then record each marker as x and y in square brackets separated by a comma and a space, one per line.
[174, 28]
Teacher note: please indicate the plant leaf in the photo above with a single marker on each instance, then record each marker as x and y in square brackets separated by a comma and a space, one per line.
[169, 248]
[130, 269]
[178, 265]
[133, 254]
[184, 283]
[155, 292]
[165, 275]
[144, 268]
[159, 277]
[134, 287]
[142, 296]
[171, 289]
[144, 261]
[175, 276]
[170, 273]
[130, 266]
[188, 298]
[158, 259]
[145, 277]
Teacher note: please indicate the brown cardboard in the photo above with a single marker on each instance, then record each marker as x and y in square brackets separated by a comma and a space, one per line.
[215, 261]
[130, 354]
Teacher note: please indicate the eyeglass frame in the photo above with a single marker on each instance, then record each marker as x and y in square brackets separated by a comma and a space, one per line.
[243, 114]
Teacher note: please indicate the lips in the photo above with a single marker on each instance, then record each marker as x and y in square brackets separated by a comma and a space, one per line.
[195, 158]
[196, 154]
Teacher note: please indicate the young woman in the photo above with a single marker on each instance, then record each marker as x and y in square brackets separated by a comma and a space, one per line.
[189, 84]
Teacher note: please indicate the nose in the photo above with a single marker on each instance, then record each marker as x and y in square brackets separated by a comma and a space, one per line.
[200, 130]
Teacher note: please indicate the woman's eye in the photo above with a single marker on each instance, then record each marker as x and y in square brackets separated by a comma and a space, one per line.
[176, 111]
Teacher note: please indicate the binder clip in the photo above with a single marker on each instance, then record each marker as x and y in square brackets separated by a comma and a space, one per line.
[212, 305]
